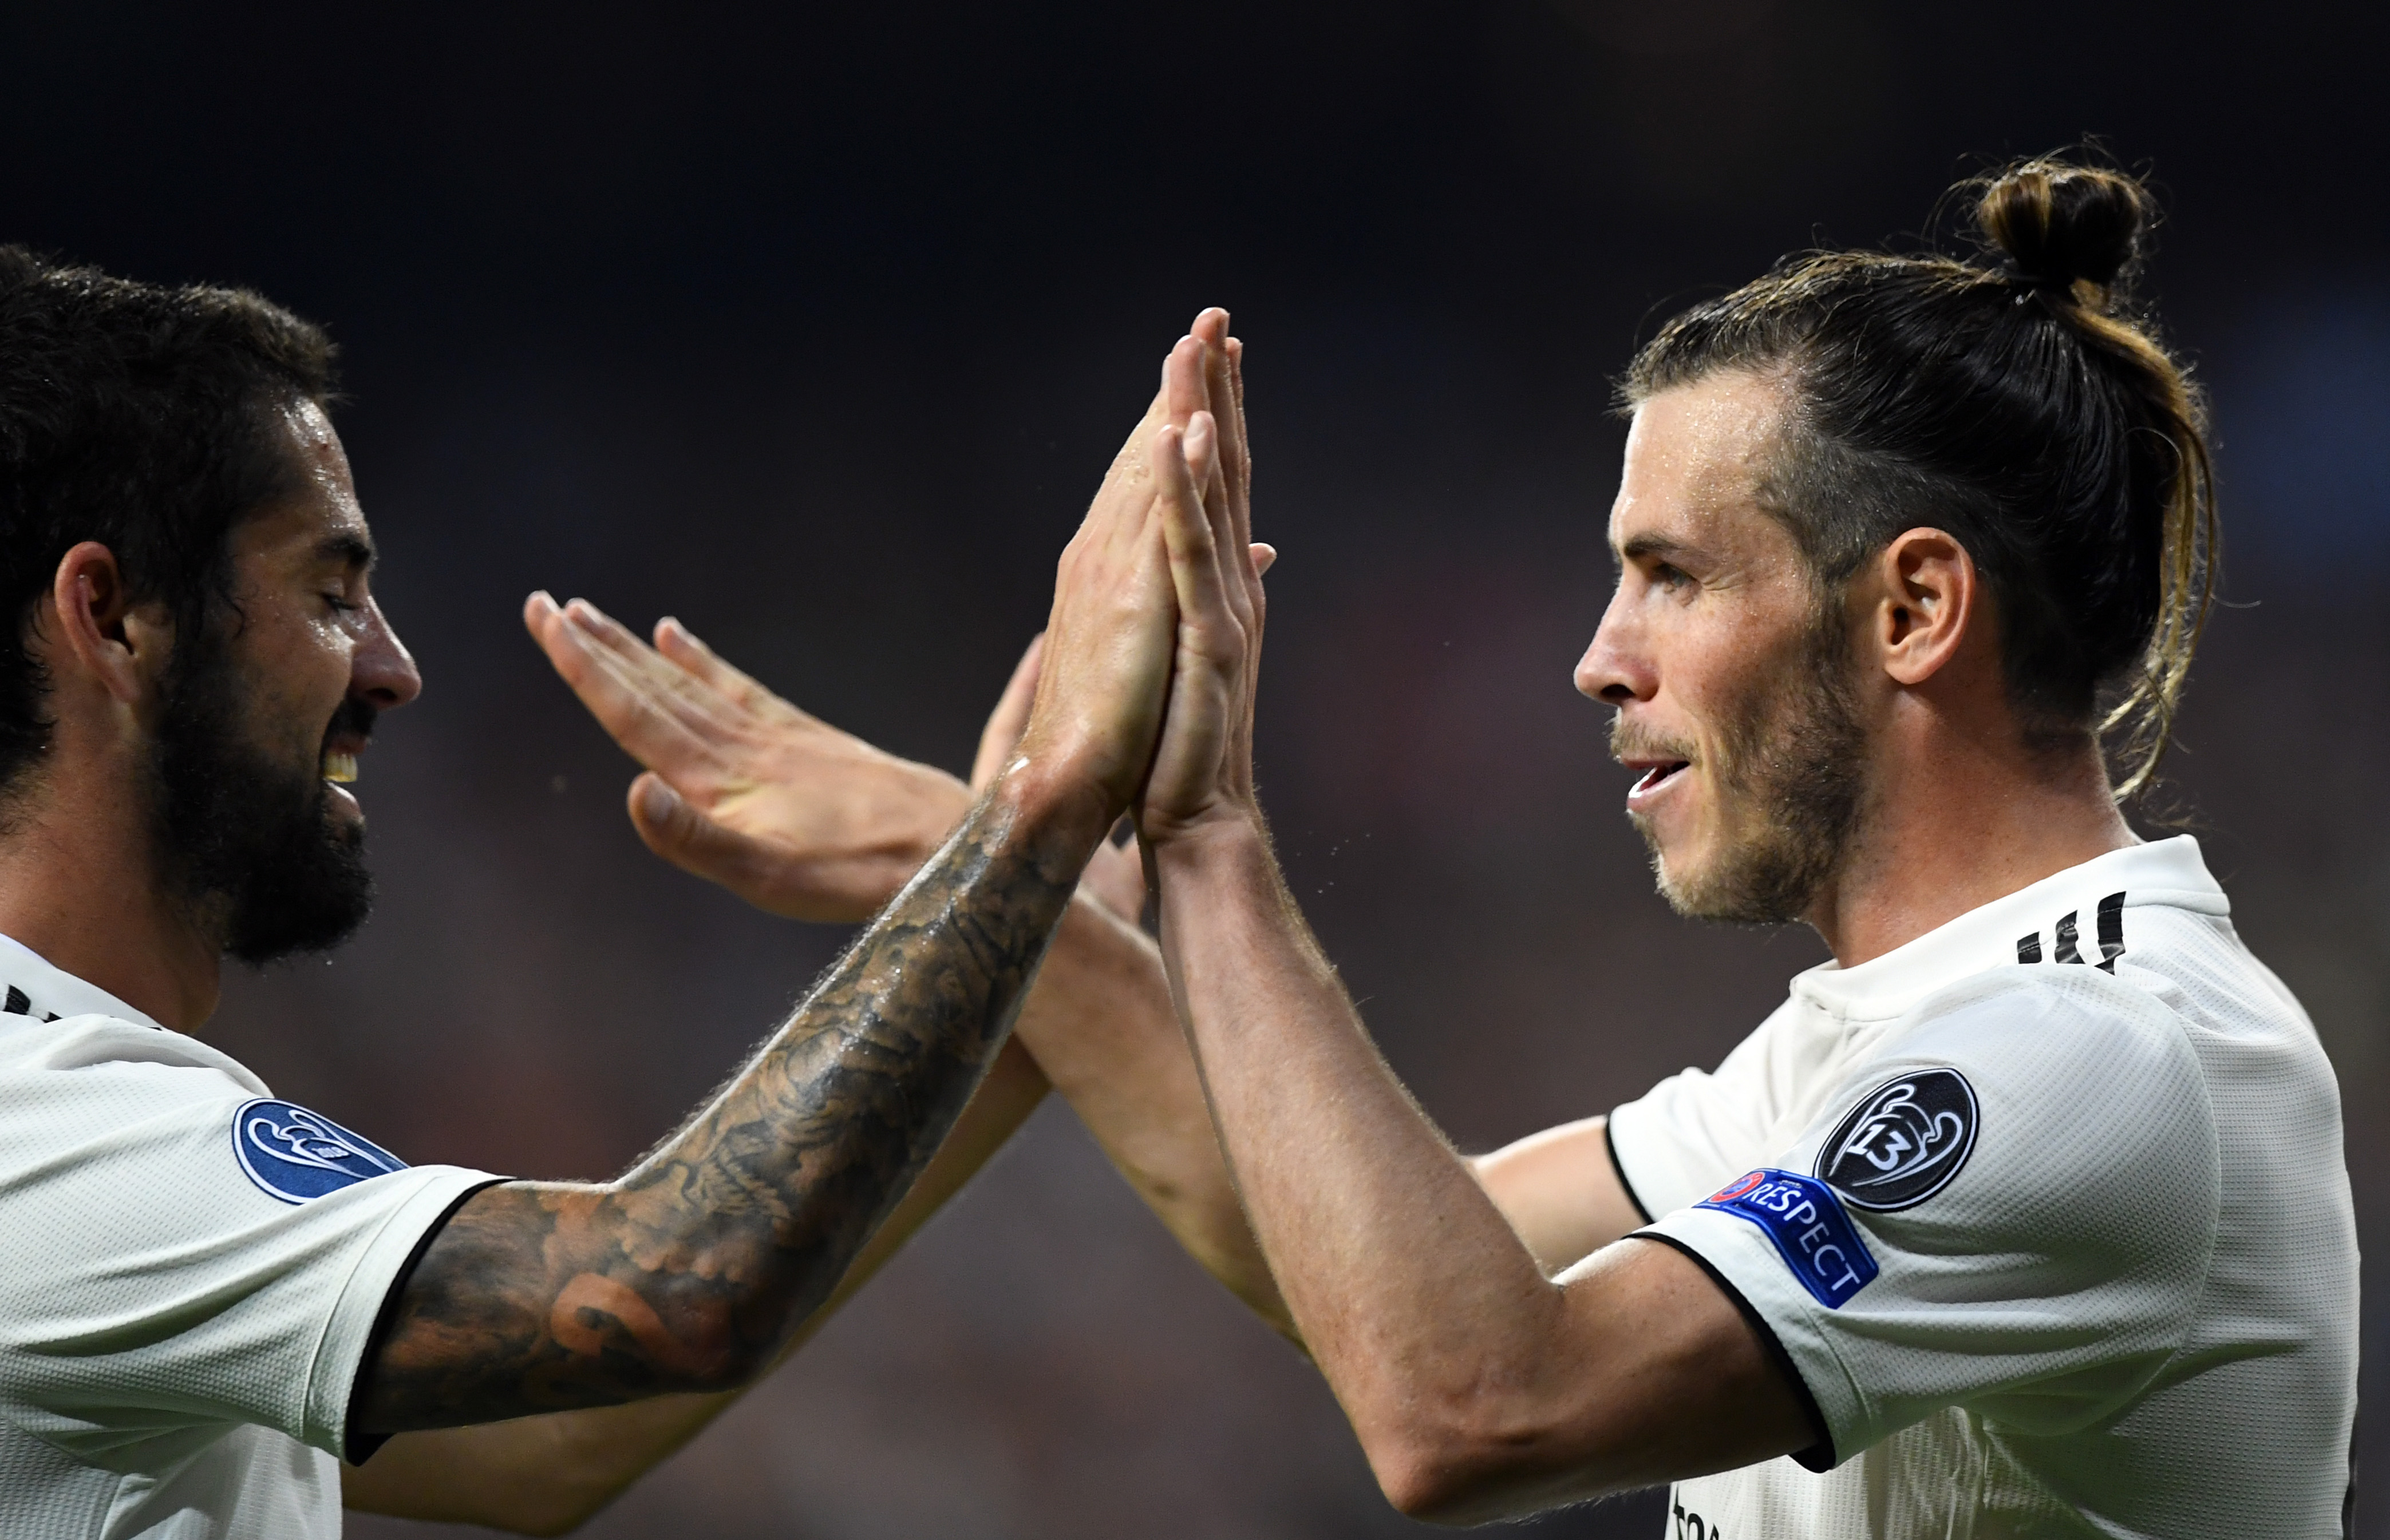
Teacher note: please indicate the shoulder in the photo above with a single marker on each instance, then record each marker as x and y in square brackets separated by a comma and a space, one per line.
[94, 1099]
[2088, 1117]
[94, 1049]
[2062, 1033]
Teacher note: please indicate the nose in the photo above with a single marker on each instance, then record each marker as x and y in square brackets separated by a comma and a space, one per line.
[382, 671]
[1616, 667]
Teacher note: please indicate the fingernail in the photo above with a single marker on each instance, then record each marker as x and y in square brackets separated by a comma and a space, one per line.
[656, 801]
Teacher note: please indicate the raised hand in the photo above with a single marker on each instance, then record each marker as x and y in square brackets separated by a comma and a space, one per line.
[1104, 673]
[693, 1270]
[1202, 767]
[741, 788]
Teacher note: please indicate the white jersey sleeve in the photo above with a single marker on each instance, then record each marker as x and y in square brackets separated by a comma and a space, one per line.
[1688, 1134]
[186, 1253]
[2008, 1204]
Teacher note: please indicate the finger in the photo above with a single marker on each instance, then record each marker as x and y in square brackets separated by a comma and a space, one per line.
[1010, 718]
[614, 646]
[1211, 329]
[1217, 479]
[1236, 448]
[1219, 378]
[644, 703]
[674, 829]
[1211, 474]
[1265, 557]
[696, 685]
[1185, 528]
[689, 653]
[1237, 457]
[1183, 388]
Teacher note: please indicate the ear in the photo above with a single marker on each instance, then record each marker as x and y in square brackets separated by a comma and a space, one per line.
[93, 628]
[1928, 598]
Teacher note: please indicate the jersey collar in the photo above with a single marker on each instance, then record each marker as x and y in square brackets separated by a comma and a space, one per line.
[33, 987]
[2077, 915]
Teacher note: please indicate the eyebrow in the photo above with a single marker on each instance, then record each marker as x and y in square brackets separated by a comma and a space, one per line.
[1647, 545]
[353, 551]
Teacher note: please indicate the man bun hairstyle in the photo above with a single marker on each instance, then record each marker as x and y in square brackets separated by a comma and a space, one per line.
[2063, 225]
[143, 417]
[2023, 402]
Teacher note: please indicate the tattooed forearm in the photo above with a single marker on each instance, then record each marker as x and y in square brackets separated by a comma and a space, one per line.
[687, 1272]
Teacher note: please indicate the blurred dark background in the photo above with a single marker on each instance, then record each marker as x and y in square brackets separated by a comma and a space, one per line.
[816, 326]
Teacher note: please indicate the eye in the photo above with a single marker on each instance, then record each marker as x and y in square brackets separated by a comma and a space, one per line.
[342, 604]
[1665, 576]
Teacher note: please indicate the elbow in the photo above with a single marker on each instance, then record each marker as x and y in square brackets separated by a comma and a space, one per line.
[1416, 1485]
[1469, 1465]
[1432, 1483]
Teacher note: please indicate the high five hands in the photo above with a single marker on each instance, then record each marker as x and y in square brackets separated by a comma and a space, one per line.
[1145, 686]
[1202, 769]
[808, 822]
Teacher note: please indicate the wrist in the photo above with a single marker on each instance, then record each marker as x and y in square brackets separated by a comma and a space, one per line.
[1229, 839]
[1055, 805]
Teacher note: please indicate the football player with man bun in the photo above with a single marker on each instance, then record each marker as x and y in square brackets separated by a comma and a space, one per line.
[2024, 1216]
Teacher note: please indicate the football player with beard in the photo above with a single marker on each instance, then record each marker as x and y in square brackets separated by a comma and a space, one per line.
[213, 1295]
[2025, 1215]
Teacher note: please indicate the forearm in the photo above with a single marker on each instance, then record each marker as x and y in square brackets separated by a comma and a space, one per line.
[689, 1271]
[1102, 1025]
[1417, 1299]
[550, 1473]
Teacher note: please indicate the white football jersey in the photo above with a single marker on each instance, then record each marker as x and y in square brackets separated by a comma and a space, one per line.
[193, 1271]
[2046, 1210]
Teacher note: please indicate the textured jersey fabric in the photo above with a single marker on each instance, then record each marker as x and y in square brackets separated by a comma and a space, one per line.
[2084, 1160]
[177, 1342]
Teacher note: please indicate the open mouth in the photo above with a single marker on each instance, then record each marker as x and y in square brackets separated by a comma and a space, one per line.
[1656, 776]
[340, 769]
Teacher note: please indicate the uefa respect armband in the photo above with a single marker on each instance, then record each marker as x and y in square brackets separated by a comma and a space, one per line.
[1805, 1220]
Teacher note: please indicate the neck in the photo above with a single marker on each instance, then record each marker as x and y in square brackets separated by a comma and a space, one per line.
[79, 885]
[1957, 819]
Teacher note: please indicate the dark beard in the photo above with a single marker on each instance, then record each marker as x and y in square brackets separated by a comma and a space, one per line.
[245, 843]
[1795, 752]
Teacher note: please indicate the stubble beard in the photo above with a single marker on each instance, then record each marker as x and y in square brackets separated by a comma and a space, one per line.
[1790, 769]
[246, 843]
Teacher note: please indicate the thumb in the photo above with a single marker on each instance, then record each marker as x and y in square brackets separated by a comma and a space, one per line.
[688, 839]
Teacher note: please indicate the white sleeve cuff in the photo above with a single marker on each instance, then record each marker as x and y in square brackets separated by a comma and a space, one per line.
[339, 1353]
[1742, 1258]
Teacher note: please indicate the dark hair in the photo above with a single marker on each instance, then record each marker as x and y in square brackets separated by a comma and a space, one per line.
[143, 417]
[2023, 404]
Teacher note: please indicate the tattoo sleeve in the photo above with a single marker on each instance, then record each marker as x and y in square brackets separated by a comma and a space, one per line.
[688, 1271]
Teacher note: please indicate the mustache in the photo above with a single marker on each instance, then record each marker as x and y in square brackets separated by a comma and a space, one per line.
[1631, 740]
[354, 719]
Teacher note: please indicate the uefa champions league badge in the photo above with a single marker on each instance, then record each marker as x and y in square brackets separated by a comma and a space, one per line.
[1810, 1231]
[295, 1154]
[1903, 1142]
